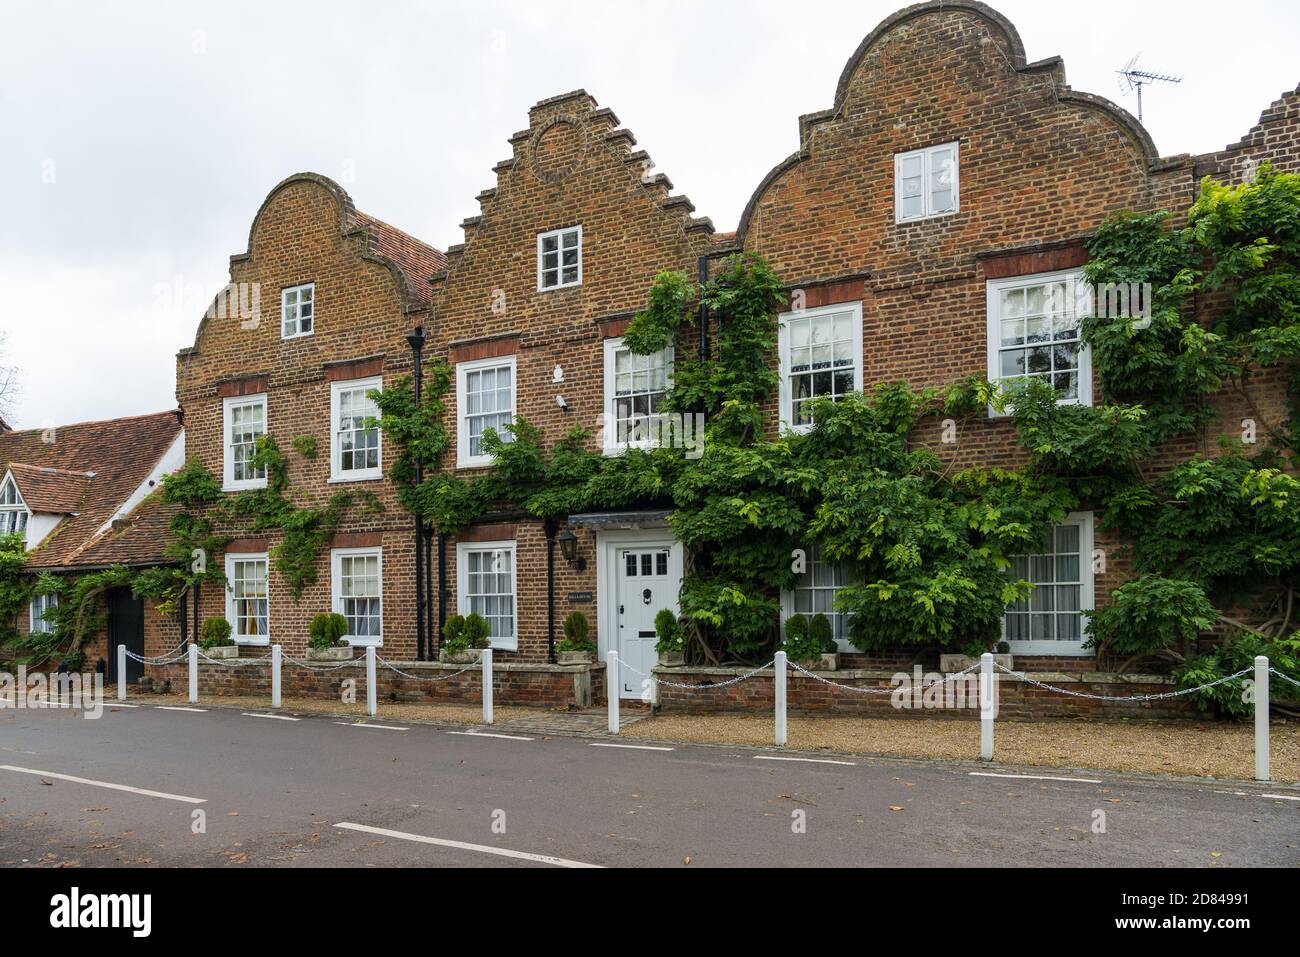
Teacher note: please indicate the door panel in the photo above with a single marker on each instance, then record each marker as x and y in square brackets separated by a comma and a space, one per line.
[645, 587]
[125, 627]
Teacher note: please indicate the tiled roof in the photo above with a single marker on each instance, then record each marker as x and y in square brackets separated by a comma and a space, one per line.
[49, 490]
[99, 464]
[417, 261]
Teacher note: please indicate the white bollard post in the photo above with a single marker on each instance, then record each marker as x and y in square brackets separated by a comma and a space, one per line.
[121, 672]
[1262, 756]
[612, 690]
[487, 686]
[372, 696]
[782, 737]
[194, 673]
[987, 708]
[275, 676]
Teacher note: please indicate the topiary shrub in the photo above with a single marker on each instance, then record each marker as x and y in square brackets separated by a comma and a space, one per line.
[576, 630]
[822, 634]
[327, 630]
[799, 644]
[466, 633]
[477, 631]
[215, 633]
[669, 632]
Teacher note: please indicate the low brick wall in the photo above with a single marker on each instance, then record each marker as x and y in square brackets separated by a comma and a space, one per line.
[1016, 699]
[529, 685]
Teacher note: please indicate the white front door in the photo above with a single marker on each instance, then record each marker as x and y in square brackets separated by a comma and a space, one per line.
[639, 574]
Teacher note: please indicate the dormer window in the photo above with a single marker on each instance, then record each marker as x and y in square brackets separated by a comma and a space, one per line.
[13, 510]
[559, 259]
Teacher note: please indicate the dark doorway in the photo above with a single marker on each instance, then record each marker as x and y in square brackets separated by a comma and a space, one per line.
[125, 627]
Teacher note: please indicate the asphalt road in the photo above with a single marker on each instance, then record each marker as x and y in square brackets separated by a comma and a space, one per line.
[273, 793]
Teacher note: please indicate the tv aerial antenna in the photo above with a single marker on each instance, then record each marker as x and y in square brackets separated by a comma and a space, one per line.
[1131, 79]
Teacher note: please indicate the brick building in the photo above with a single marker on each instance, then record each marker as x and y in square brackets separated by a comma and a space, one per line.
[929, 220]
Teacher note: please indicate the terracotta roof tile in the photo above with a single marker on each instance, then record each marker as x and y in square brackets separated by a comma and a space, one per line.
[417, 260]
[105, 462]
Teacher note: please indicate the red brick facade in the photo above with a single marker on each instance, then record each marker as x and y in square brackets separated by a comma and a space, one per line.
[1041, 166]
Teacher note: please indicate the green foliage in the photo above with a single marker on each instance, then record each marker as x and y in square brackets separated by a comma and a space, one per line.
[800, 646]
[576, 629]
[822, 634]
[305, 445]
[1150, 616]
[477, 631]
[215, 633]
[327, 630]
[466, 633]
[669, 632]
[1234, 656]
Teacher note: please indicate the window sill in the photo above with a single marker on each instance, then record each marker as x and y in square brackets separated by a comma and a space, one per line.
[349, 479]
[244, 487]
[301, 335]
[377, 642]
[502, 646]
[252, 642]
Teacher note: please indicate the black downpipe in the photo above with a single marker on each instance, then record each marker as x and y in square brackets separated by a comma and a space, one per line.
[185, 617]
[551, 527]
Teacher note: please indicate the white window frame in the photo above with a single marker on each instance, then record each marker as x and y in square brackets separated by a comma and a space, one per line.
[558, 235]
[337, 473]
[783, 344]
[231, 559]
[463, 459]
[927, 156]
[788, 602]
[1083, 301]
[336, 591]
[462, 585]
[228, 482]
[1087, 597]
[17, 509]
[41, 625]
[612, 447]
[297, 319]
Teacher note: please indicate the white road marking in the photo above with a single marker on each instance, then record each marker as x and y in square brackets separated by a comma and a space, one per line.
[119, 704]
[631, 747]
[765, 757]
[163, 707]
[1034, 777]
[1279, 797]
[373, 727]
[484, 734]
[273, 717]
[460, 845]
[105, 784]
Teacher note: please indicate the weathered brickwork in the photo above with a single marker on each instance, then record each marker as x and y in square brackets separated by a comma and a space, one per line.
[1041, 167]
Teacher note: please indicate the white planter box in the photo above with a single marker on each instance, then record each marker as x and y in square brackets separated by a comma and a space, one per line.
[329, 654]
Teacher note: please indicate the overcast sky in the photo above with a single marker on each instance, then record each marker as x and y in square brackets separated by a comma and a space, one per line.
[138, 140]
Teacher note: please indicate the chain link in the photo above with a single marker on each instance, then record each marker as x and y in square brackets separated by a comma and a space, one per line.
[1165, 696]
[701, 687]
[154, 661]
[355, 662]
[1286, 678]
[396, 671]
[883, 691]
[238, 663]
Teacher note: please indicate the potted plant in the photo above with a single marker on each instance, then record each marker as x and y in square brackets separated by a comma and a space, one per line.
[800, 647]
[971, 655]
[463, 639]
[822, 634]
[327, 632]
[576, 648]
[215, 640]
[672, 640]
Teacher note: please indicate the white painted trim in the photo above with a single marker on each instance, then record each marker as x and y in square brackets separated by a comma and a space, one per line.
[171, 461]
[559, 234]
[228, 483]
[1087, 597]
[993, 291]
[462, 584]
[609, 429]
[463, 459]
[371, 383]
[31, 613]
[786, 411]
[336, 594]
[283, 295]
[231, 558]
[18, 494]
[607, 546]
[927, 155]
